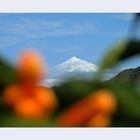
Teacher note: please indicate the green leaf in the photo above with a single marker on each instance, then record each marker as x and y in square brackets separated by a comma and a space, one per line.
[14, 121]
[128, 104]
[7, 74]
[119, 53]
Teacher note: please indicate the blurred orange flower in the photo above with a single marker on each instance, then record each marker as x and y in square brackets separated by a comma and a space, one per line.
[25, 97]
[94, 110]
[30, 67]
[100, 120]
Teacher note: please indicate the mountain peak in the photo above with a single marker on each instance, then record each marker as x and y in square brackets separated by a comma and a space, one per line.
[76, 64]
[74, 58]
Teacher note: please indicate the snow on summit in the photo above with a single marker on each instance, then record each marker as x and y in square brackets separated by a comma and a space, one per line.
[75, 64]
[72, 67]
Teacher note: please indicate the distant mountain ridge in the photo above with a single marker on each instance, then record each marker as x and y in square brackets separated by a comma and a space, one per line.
[128, 75]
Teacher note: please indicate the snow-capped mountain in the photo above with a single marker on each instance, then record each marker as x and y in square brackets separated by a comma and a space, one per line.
[72, 68]
[75, 64]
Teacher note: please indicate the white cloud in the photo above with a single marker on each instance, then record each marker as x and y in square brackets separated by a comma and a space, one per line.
[70, 49]
[41, 29]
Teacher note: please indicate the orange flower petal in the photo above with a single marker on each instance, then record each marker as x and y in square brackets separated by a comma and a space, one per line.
[100, 120]
[28, 108]
[46, 98]
[78, 114]
[101, 101]
[30, 66]
[105, 101]
[12, 95]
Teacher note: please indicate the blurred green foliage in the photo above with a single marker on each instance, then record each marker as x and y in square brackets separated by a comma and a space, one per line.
[7, 74]
[120, 52]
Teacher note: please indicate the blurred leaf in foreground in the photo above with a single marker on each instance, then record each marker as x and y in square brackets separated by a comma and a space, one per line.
[7, 74]
[14, 121]
[119, 53]
[128, 113]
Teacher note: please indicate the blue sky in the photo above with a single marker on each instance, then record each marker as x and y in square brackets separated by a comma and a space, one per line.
[58, 37]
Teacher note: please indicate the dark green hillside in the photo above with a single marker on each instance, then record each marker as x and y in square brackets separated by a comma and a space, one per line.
[129, 75]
